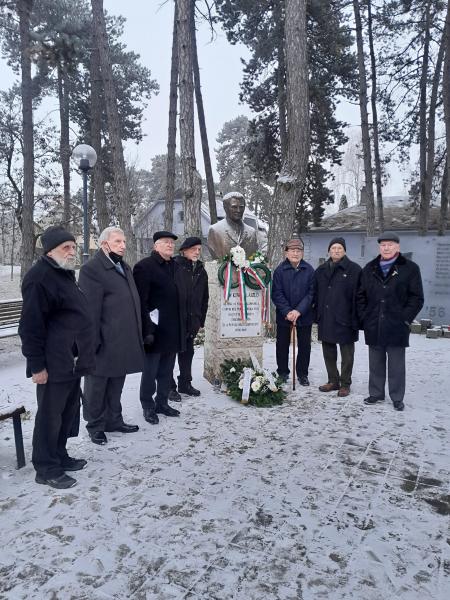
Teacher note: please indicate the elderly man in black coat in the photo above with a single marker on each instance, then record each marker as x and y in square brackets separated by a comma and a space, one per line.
[57, 342]
[163, 306]
[337, 281]
[389, 299]
[113, 299]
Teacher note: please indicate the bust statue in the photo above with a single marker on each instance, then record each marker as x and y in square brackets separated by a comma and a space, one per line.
[232, 231]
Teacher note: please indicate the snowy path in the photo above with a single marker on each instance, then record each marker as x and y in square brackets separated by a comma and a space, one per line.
[321, 498]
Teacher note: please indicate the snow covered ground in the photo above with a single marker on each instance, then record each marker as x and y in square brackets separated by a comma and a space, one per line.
[320, 498]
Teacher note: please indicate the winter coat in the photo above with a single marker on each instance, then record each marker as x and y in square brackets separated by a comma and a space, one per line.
[387, 306]
[116, 312]
[160, 286]
[335, 301]
[55, 326]
[293, 289]
[196, 291]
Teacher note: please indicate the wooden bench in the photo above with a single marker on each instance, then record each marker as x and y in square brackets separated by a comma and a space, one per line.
[10, 311]
[8, 412]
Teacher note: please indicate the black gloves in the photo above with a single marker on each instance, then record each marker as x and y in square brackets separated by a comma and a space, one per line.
[148, 341]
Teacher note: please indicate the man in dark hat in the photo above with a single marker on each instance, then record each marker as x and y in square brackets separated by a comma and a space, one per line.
[389, 299]
[337, 282]
[195, 281]
[292, 294]
[58, 343]
[163, 311]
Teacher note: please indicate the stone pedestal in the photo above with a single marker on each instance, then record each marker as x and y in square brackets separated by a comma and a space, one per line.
[226, 336]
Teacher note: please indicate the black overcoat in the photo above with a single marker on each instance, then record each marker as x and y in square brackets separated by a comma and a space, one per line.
[160, 286]
[55, 326]
[335, 301]
[293, 289]
[195, 282]
[387, 306]
[116, 312]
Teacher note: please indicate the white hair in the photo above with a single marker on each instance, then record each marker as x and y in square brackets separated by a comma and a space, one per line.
[106, 233]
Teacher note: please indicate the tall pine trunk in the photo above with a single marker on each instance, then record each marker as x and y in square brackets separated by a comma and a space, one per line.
[365, 135]
[281, 81]
[115, 138]
[424, 172]
[26, 219]
[445, 193]
[64, 138]
[291, 180]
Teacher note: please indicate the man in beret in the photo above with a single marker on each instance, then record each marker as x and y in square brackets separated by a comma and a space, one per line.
[292, 294]
[163, 311]
[195, 281]
[389, 299]
[337, 281]
[58, 344]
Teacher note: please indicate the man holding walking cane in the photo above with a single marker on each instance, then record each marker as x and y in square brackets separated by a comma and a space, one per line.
[292, 294]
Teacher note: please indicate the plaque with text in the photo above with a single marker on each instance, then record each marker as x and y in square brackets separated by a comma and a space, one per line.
[231, 325]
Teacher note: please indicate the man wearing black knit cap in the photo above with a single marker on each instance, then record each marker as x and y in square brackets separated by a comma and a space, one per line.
[389, 298]
[337, 281]
[57, 341]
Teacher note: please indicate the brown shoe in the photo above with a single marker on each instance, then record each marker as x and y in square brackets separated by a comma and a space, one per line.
[343, 392]
[328, 387]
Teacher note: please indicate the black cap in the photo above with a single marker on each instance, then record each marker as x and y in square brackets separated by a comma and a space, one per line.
[337, 240]
[163, 234]
[189, 242]
[54, 236]
[388, 236]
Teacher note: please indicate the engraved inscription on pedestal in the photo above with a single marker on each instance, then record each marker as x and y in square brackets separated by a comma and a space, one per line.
[231, 325]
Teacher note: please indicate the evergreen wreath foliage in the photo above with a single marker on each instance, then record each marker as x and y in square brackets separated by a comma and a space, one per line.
[260, 393]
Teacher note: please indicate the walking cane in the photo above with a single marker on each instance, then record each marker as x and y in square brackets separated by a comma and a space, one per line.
[294, 344]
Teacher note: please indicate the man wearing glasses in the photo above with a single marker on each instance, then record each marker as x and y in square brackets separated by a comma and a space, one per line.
[390, 297]
[292, 294]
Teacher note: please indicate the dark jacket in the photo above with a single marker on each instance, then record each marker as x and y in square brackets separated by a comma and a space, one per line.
[335, 301]
[160, 286]
[293, 289]
[387, 306]
[195, 283]
[55, 326]
[116, 312]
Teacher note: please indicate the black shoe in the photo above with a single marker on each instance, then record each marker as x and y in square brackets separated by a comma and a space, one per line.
[283, 377]
[188, 389]
[73, 464]
[125, 428]
[60, 482]
[98, 437]
[399, 405]
[150, 416]
[303, 381]
[372, 400]
[174, 396]
[168, 411]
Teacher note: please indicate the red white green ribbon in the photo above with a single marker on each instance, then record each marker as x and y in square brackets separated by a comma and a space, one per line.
[265, 300]
[227, 281]
[242, 296]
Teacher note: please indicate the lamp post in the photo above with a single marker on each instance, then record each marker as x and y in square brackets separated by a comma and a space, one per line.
[85, 158]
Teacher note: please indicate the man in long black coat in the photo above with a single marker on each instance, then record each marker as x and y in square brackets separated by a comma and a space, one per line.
[389, 299]
[163, 309]
[57, 341]
[108, 283]
[337, 281]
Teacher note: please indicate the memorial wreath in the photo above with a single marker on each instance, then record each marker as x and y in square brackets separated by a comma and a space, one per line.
[265, 388]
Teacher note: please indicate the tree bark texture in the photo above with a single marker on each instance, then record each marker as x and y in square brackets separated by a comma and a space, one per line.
[424, 174]
[172, 131]
[192, 225]
[370, 205]
[445, 195]
[292, 177]
[281, 82]
[28, 241]
[115, 138]
[64, 138]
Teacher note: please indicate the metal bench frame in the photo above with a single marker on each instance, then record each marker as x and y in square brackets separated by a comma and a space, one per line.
[18, 437]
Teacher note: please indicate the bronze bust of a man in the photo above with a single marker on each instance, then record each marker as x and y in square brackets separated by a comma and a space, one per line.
[232, 231]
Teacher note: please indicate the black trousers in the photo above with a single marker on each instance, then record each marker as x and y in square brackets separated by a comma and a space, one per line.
[57, 407]
[185, 364]
[329, 351]
[156, 377]
[102, 408]
[396, 370]
[303, 349]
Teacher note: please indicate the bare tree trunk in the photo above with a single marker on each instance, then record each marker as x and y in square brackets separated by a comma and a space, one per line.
[424, 206]
[292, 178]
[115, 138]
[24, 8]
[192, 225]
[281, 82]
[443, 213]
[202, 123]
[445, 195]
[64, 139]
[373, 100]
[370, 205]
[172, 133]
[13, 243]
[103, 218]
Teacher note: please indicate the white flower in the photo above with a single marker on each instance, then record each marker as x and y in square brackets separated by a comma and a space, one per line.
[238, 256]
[273, 388]
[256, 386]
[232, 370]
